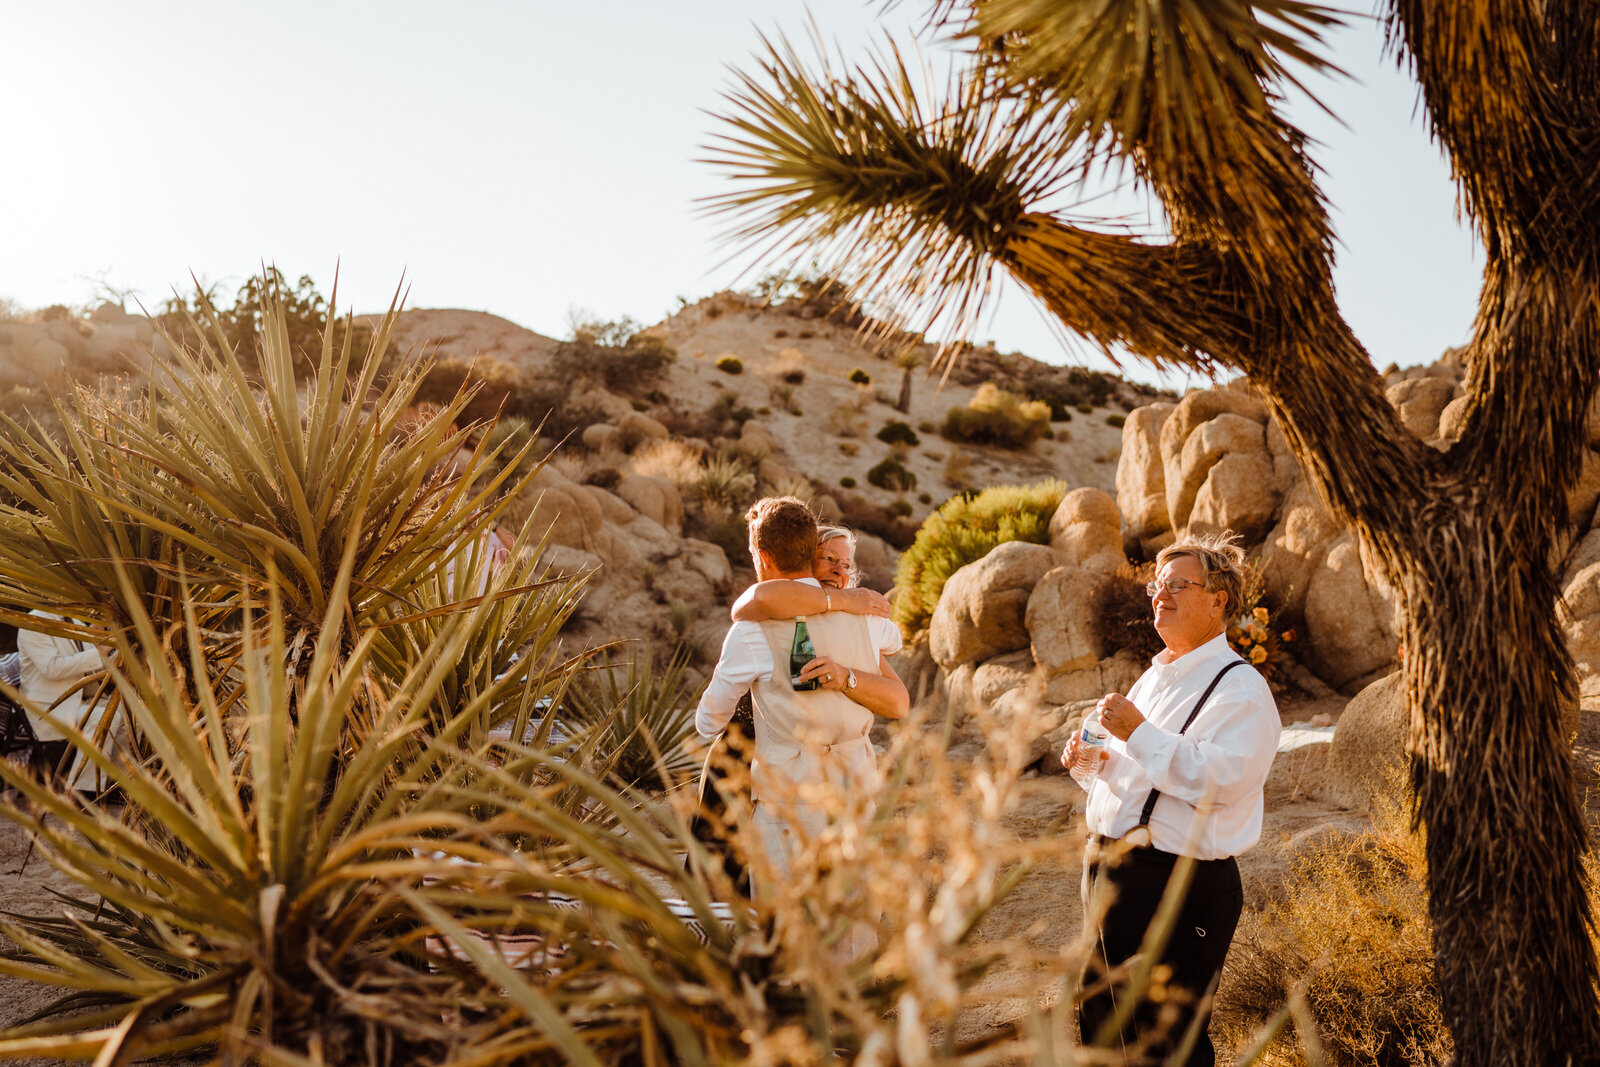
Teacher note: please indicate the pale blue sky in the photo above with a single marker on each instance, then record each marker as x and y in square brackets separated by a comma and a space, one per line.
[527, 158]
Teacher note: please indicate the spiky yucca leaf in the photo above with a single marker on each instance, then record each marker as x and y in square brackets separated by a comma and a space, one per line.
[643, 717]
[906, 196]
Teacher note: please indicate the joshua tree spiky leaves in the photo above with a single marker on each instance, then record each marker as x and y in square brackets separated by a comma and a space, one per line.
[917, 202]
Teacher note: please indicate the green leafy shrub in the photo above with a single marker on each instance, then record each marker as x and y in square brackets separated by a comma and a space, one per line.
[1116, 420]
[925, 498]
[847, 482]
[860, 377]
[896, 432]
[638, 716]
[996, 417]
[964, 529]
[902, 507]
[724, 483]
[623, 356]
[1086, 409]
[730, 365]
[891, 474]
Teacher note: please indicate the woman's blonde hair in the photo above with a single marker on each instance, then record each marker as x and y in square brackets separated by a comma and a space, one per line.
[1222, 561]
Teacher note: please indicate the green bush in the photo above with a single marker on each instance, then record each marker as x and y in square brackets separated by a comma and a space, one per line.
[964, 529]
[643, 713]
[730, 365]
[895, 432]
[1116, 420]
[1086, 409]
[892, 475]
[996, 417]
[902, 507]
[925, 498]
[847, 482]
[860, 377]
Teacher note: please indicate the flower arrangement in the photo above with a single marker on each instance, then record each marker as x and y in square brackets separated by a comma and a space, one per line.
[1252, 633]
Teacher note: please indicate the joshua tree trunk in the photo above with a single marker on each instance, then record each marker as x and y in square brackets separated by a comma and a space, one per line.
[903, 404]
[921, 203]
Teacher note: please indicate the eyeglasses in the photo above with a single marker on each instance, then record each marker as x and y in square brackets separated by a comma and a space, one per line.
[1171, 585]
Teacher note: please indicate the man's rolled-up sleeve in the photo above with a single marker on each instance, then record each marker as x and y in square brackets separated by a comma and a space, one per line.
[1229, 759]
[745, 658]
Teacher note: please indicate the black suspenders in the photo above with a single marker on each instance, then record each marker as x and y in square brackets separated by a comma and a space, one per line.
[1150, 801]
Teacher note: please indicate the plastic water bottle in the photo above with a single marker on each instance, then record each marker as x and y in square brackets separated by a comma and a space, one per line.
[1091, 742]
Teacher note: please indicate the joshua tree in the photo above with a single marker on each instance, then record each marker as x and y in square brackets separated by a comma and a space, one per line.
[918, 202]
[908, 360]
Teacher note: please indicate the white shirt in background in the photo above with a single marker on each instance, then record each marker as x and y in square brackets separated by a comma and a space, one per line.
[1213, 774]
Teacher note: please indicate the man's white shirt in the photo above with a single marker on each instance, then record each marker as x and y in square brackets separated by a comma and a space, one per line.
[747, 658]
[1213, 773]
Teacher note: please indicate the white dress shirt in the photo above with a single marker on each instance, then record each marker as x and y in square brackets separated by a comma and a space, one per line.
[746, 658]
[1210, 777]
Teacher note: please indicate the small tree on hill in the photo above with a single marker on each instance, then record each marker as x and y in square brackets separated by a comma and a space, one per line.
[921, 201]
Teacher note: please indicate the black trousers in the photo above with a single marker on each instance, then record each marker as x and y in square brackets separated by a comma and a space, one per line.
[1195, 951]
[730, 752]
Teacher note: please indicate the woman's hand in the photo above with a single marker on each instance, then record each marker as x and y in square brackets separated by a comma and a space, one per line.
[833, 675]
[860, 602]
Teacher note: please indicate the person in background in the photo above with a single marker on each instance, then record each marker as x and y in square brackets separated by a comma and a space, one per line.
[811, 747]
[1182, 775]
[52, 669]
[884, 693]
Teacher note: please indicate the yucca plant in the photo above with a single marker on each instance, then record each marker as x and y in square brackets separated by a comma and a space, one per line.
[723, 483]
[639, 715]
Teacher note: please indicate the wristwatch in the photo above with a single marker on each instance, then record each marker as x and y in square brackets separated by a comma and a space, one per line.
[850, 681]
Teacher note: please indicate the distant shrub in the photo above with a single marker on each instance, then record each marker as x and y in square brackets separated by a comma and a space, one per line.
[624, 357]
[726, 408]
[892, 475]
[895, 432]
[850, 448]
[1120, 615]
[1086, 409]
[780, 333]
[928, 427]
[965, 529]
[924, 498]
[730, 365]
[902, 507]
[861, 514]
[672, 460]
[1116, 420]
[996, 417]
[956, 469]
[724, 484]
[860, 377]
[782, 394]
[847, 482]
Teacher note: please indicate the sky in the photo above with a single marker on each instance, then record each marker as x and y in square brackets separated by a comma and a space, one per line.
[533, 158]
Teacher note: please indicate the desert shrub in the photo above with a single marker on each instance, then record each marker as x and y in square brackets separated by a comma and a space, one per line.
[1120, 615]
[858, 513]
[925, 498]
[902, 507]
[847, 482]
[638, 716]
[964, 529]
[889, 473]
[1086, 409]
[726, 408]
[925, 426]
[496, 386]
[896, 432]
[850, 448]
[782, 394]
[723, 483]
[1366, 964]
[550, 410]
[799, 488]
[669, 459]
[860, 377]
[956, 469]
[622, 356]
[730, 365]
[997, 417]
[1116, 420]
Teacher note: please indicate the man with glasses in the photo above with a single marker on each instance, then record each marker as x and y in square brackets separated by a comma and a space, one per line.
[1182, 776]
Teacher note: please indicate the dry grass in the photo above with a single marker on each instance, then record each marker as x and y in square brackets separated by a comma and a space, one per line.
[673, 460]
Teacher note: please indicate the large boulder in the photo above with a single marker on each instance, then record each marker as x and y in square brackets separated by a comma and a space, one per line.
[1420, 402]
[637, 428]
[602, 437]
[1296, 547]
[655, 498]
[1228, 435]
[1060, 623]
[1350, 633]
[1237, 495]
[1086, 530]
[1114, 674]
[1581, 599]
[1142, 481]
[1368, 756]
[982, 609]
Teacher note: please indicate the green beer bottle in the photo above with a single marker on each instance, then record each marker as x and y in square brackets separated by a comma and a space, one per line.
[801, 653]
